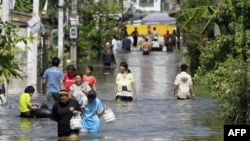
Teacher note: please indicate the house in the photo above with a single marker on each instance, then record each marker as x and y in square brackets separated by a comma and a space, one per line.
[135, 10]
[146, 5]
[150, 5]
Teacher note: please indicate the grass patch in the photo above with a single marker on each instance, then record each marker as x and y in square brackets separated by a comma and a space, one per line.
[202, 91]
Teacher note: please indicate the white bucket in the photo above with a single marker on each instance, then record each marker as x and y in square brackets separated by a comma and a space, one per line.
[109, 115]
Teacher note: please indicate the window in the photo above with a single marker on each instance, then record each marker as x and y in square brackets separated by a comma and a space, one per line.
[146, 3]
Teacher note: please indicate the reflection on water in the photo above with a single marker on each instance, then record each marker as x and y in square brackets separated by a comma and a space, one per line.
[156, 116]
[25, 125]
[123, 107]
[24, 139]
[108, 70]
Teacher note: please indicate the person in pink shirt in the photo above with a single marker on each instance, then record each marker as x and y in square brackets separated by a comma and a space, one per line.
[69, 77]
[89, 78]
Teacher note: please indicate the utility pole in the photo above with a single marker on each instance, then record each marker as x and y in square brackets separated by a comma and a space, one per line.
[73, 47]
[32, 52]
[99, 19]
[60, 31]
[122, 26]
[5, 18]
[5, 10]
[132, 13]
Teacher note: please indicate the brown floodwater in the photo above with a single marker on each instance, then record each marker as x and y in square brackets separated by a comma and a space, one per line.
[156, 116]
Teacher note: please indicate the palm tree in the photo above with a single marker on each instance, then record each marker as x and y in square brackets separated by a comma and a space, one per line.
[206, 16]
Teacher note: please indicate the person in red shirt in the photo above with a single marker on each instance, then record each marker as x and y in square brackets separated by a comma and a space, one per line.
[167, 41]
[69, 77]
[89, 78]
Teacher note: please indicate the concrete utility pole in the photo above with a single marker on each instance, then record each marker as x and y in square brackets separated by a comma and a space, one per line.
[5, 10]
[5, 18]
[99, 25]
[60, 31]
[73, 47]
[32, 53]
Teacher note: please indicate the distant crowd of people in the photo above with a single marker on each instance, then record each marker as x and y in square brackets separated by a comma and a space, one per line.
[149, 42]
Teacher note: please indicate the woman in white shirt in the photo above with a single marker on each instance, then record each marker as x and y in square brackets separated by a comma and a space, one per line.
[79, 90]
[125, 84]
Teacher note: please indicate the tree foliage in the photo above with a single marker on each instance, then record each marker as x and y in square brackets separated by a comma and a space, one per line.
[222, 66]
[8, 51]
[222, 73]
[24, 6]
[97, 26]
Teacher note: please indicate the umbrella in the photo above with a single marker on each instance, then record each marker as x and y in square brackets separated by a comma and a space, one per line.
[158, 18]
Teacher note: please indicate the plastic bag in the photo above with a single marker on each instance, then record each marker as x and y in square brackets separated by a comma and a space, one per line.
[109, 115]
[76, 122]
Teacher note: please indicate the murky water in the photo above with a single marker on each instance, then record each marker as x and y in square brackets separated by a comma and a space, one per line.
[156, 116]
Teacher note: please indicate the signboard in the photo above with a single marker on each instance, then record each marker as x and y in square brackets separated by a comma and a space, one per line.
[37, 27]
[74, 20]
[35, 24]
[34, 20]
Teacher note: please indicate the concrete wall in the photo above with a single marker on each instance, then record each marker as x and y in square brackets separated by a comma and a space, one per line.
[17, 85]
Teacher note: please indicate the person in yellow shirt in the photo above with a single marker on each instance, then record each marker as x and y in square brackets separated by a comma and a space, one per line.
[125, 89]
[25, 104]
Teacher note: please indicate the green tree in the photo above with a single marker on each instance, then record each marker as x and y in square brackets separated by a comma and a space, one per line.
[97, 26]
[24, 6]
[194, 21]
[8, 50]
[223, 60]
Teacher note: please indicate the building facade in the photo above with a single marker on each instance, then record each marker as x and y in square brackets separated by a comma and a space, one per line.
[151, 5]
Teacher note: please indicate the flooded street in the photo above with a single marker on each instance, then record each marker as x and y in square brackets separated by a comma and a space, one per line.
[156, 116]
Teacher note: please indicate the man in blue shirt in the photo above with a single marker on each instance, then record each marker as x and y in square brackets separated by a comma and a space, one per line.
[53, 81]
[126, 43]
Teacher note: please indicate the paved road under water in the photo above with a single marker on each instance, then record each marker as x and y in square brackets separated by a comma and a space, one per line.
[156, 116]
